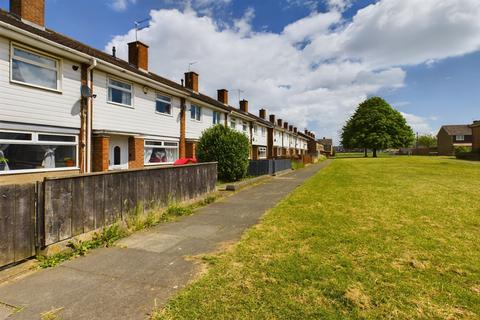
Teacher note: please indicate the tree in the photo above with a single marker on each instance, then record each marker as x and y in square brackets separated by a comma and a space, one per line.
[376, 125]
[427, 141]
[229, 148]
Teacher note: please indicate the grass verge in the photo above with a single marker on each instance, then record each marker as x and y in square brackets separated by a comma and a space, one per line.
[391, 238]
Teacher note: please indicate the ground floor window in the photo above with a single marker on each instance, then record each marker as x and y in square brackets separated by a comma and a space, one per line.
[262, 152]
[36, 151]
[157, 152]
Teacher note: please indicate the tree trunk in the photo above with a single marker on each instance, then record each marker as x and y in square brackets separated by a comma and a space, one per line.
[374, 153]
[366, 152]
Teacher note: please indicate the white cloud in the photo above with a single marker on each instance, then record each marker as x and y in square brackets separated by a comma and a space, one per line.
[419, 124]
[320, 67]
[121, 5]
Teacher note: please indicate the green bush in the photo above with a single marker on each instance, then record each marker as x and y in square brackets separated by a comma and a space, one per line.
[462, 149]
[227, 147]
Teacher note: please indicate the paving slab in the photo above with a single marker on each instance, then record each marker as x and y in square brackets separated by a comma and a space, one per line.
[125, 282]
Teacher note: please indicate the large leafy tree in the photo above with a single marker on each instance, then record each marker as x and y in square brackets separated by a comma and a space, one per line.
[376, 125]
[427, 141]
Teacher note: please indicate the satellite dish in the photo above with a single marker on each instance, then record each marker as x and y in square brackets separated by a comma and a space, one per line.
[85, 91]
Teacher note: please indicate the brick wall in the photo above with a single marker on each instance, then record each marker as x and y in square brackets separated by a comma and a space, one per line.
[476, 138]
[100, 153]
[30, 10]
[191, 149]
[136, 152]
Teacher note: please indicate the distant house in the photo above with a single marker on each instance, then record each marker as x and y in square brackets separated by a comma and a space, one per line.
[327, 145]
[475, 135]
[451, 136]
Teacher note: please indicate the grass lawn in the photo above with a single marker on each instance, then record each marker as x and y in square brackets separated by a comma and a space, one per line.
[390, 238]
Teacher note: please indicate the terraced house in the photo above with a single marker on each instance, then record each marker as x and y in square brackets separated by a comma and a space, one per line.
[69, 108]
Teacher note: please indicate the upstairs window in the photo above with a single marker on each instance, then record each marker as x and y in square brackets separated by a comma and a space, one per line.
[263, 131]
[119, 92]
[255, 129]
[460, 138]
[34, 69]
[233, 123]
[195, 113]
[216, 117]
[163, 104]
[244, 126]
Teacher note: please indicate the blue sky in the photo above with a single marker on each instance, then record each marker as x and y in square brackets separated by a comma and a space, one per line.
[341, 49]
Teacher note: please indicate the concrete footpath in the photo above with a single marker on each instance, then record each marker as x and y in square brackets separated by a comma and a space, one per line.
[150, 266]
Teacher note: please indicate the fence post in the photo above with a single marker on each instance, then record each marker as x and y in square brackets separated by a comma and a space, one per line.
[39, 216]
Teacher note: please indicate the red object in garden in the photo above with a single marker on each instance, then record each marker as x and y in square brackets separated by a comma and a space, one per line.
[183, 161]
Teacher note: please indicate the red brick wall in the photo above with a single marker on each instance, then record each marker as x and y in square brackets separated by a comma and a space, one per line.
[138, 54]
[476, 138]
[30, 10]
[191, 149]
[136, 155]
[100, 153]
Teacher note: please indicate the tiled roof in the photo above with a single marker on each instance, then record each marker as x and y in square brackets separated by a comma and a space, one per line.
[458, 130]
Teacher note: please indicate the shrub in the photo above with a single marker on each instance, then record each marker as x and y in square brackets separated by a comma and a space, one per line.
[462, 149]
[227, 147]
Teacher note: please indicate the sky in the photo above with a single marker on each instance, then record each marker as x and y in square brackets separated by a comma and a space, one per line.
[309, 62]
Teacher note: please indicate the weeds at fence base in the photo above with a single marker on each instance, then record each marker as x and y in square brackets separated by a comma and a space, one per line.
[135, 222]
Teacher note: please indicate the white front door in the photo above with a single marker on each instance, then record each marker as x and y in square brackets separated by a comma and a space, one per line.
[118, 158]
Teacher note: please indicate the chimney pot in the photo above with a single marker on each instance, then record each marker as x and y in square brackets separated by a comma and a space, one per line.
[32, 11]
[138, 55]
[262, 114]
[222, 96]
[272, 118]
[191, 81]
[244, 105]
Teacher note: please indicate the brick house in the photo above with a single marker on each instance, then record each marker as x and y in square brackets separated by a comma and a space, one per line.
[451, 136]
[475, 135]
[127, 116]
[327, 145]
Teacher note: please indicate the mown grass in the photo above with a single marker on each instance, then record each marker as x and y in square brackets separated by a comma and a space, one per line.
[391, 238]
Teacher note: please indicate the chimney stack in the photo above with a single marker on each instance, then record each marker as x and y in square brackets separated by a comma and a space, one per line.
[306, 132]
[191, 81]
[244, 105]
[272, 118]
[280, 122]
[285, 125]
[295, 129]
[262, 114]
[222, 95]
[138, 55]
[290, 128]
[30, 11]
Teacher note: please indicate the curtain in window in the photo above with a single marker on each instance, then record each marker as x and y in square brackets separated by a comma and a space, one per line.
[5, 166]
[172, 154]
[148, 154]
[49, 157]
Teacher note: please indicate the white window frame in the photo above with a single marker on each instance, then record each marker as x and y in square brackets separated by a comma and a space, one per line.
[214, 114]
[131, 106]
[157, 98]
[262, 150]
[234, 122]
[35, 141]
[255, 129]
[162, 145]
[58, 69]
[245, 126]
[264, 131]
[199, 111]
[457, 138]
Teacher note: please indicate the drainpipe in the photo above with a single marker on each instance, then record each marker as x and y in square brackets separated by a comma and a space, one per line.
[92, 66]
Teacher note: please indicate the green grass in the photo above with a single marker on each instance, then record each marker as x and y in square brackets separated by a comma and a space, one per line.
[361, 154]
[388, 238]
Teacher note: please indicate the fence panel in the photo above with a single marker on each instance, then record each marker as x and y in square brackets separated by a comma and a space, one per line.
[282, 164]
[17, 223]
[78, 204]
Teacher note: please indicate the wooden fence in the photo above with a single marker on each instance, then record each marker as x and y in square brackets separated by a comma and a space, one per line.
[17, 222]
[268, 166]
[33, 216]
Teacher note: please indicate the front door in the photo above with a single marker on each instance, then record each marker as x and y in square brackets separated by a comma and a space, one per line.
[118, 157]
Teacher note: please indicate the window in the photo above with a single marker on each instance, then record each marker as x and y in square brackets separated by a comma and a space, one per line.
[117, 156]
[263, 131]
[460, 138]
[216, 117]
[262, 152]
[27, 151]
[119, 92]
[233, 123]
[34, 69]
[255, 129]
[195, 112]
[163, 104]
[158, 152]
[244, 126]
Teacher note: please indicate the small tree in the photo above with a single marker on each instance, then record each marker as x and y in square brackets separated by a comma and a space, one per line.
[427, 141]
[376, 125]
[229, 148]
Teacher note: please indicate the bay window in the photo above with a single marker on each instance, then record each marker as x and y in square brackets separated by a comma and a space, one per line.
[34, 69]
[160, 152]
[120, 92]
[25, 151]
